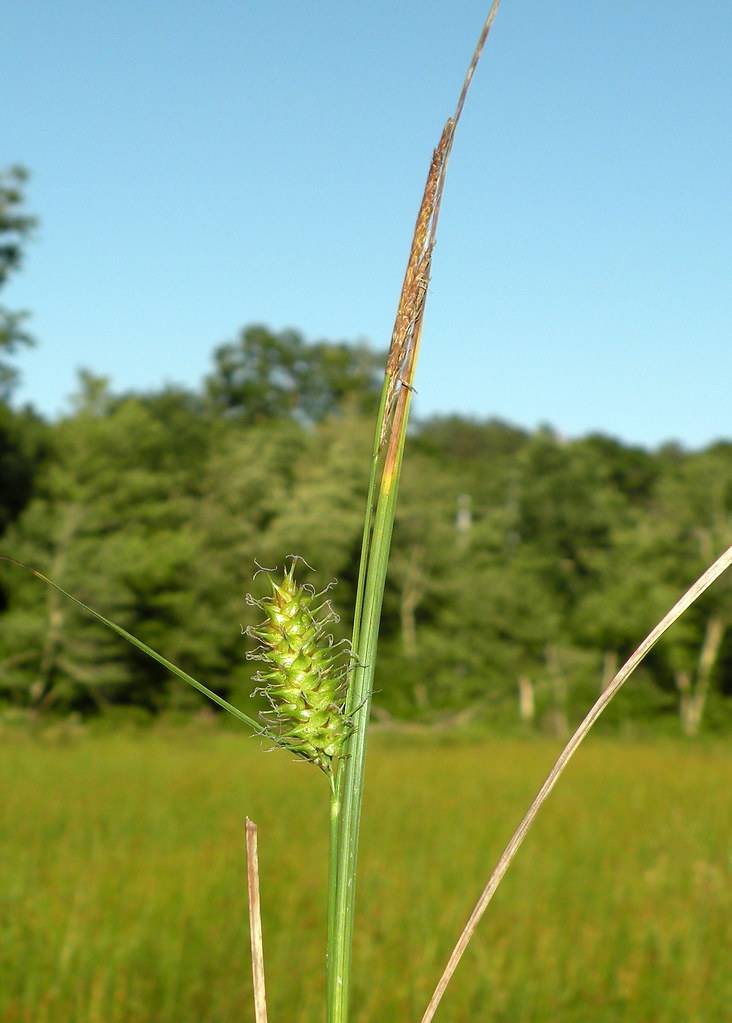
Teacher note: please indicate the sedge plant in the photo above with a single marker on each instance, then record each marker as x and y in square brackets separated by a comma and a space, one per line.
[318, 693]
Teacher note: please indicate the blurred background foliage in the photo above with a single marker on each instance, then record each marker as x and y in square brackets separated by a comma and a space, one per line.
[526, 566]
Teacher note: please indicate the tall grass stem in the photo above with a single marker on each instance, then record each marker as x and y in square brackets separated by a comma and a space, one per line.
[388, 451]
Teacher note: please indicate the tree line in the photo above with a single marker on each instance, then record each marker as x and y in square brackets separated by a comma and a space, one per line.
[525, 566]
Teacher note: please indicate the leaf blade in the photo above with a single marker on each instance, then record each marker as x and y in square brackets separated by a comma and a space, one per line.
[147, 650]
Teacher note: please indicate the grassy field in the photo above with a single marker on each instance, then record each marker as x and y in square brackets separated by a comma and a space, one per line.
[122, 889]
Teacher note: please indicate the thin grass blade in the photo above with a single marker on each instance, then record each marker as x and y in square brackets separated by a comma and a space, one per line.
[173, 668]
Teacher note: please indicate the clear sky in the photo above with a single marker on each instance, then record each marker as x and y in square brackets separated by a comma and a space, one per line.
[198, 166]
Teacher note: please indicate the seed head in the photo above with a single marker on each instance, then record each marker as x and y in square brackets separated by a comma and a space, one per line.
[303, 674]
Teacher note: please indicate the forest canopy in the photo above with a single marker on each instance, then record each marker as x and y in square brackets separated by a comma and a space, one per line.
[525, 565]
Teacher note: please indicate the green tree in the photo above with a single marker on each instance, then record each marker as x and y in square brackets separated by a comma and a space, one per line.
[110, 521]
[265, 376]
[430, 537]
[652, 559]
[23, 435]
[24, 444]
[16, 226]
[245, 482]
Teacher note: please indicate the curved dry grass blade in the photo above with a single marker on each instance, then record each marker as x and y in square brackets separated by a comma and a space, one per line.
[255, 924]
[173, 668]
[487, 26]
[702, 583]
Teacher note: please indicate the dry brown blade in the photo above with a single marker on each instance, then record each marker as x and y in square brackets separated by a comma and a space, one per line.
[408, 323]
[410, 310]
[255, 924]
[702, 583]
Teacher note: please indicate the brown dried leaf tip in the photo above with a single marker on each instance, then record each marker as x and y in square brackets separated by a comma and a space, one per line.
[408, 321]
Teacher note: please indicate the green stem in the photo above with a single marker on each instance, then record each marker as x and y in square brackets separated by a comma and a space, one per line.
[335, 815]
[349, 786]
[335, 935]
[388, 452]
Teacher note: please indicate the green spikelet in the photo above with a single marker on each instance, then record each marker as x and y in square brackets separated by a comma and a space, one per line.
[304, 673]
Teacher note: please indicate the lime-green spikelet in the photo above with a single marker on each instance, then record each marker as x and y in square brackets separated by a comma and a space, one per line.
[304, 674]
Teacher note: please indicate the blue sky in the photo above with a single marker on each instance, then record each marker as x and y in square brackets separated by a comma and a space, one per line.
[199, 166]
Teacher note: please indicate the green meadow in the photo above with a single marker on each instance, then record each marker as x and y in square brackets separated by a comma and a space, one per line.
[123, 896]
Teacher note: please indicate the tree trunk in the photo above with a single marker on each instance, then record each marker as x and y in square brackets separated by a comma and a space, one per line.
[683, 684]
[41, 689]
[560, 720]
[527, 703]
[609, 668]
[412, 593]
[693, 698]
[464, 519]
